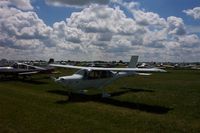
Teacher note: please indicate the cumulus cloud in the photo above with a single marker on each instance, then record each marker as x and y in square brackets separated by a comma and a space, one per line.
[191, 41]
[96, 32]
[106, 28]
[195, 12]
[20, 4]
[103, 19]
[148, 18]
[76, 3]
[19, 29]
[109, 30]
[176, 26]
[163, 34]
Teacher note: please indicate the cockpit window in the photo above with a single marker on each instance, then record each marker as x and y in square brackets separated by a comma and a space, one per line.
[96, 74]
[81, 72]
[22, 66]
[19, 66]
[15, 66]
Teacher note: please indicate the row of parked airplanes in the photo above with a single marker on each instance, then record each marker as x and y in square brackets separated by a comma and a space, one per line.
[84, 78]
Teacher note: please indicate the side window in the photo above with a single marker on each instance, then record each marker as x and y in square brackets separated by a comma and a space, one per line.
[32, 68]
[106, 74]
[22, 66]
[92, 75]
[15, 66]
[99, 74]
[84, 73]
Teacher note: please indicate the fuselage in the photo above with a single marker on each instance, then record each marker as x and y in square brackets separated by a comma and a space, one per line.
[23, 69]
[84, 79]
[99, 77]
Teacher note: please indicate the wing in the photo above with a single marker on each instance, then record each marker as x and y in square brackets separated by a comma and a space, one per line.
[111, 69]
[69, 66]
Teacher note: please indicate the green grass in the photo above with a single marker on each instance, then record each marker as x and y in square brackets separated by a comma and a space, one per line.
[164, 102]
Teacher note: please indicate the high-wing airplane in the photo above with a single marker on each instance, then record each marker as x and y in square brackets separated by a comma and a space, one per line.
[97, 77]
[22, 70]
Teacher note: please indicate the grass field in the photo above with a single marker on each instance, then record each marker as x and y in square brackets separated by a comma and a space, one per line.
[161, 103]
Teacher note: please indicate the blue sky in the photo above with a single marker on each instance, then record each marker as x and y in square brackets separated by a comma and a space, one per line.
[165, 8]
[156, 30]
[51, 14]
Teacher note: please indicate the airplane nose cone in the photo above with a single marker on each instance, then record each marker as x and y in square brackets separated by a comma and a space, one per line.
[60, 80]
[64, 81]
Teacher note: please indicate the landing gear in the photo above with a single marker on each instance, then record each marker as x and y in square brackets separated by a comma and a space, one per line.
[69, 96]
[83, 91]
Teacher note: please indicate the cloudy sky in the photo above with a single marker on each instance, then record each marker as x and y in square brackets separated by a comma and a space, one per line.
[159, 30]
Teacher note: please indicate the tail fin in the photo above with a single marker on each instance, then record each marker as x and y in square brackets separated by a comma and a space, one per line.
[133, 62]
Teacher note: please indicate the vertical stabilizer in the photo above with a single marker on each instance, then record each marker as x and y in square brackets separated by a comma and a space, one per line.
[133, 61]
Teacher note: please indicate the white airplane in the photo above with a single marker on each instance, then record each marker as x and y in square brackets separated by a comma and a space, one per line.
[97, 77]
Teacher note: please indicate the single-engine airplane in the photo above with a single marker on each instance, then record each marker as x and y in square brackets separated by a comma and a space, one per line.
[23, 70]
[98, 77]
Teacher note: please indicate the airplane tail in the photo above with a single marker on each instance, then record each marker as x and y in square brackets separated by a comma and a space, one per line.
[133, 61]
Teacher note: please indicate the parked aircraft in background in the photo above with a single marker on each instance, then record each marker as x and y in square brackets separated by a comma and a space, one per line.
[23, 70]
[96, 77]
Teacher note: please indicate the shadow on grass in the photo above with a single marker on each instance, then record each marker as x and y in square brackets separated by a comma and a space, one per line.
[136, 89]
[33, 82]
[76, 97]
[29, 81]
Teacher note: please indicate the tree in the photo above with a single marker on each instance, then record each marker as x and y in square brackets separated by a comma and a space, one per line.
[51, 60]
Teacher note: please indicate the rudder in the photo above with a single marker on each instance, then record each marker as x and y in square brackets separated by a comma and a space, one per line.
[133, 61]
